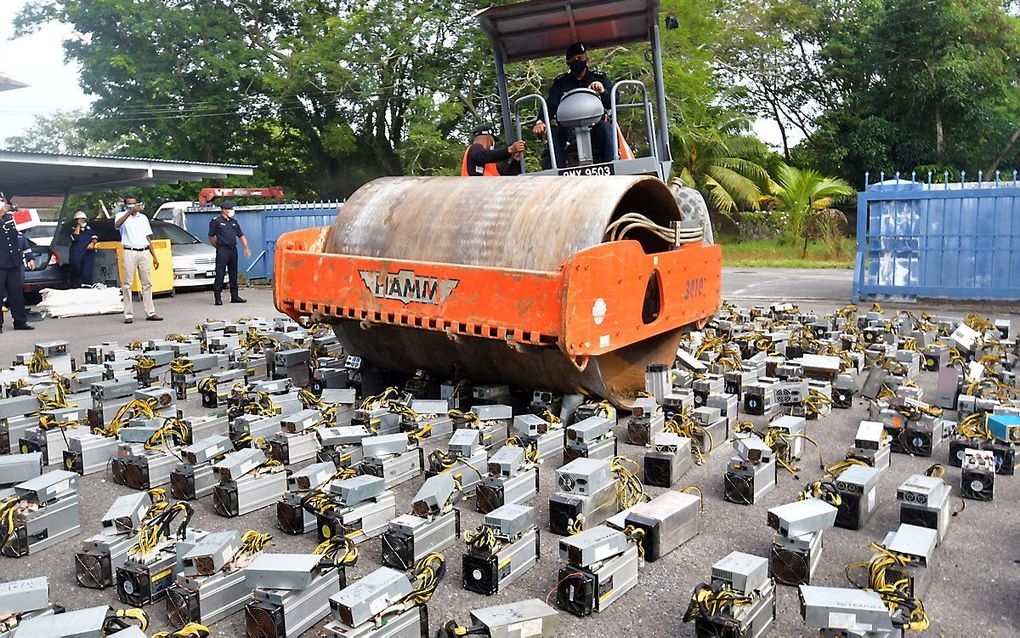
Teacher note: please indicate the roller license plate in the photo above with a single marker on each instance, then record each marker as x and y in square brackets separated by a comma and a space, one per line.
[594, 170]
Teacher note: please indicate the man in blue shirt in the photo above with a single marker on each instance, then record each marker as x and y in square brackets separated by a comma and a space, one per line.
[224, 233]
[14, 252]
[82, 251]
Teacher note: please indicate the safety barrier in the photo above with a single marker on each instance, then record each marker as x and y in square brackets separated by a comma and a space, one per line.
[938, 240]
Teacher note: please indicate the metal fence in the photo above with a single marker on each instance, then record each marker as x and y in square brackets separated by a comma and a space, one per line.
[263, 226]
[956, 240]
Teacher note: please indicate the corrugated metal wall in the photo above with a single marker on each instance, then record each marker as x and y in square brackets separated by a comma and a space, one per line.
[263, 225]
[954, 241]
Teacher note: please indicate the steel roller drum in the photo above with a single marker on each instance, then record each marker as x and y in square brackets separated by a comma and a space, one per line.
[527, 223]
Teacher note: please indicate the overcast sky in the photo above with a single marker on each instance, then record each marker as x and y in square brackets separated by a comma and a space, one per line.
[37, 60]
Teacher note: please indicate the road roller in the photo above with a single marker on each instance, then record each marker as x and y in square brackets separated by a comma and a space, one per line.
[571, 278]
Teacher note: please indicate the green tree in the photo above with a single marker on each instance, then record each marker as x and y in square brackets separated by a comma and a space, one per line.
[62, 132]
[728, 167]
[805, 197]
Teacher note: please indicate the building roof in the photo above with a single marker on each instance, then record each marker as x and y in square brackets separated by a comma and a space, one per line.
[32, 173]
[6, 83]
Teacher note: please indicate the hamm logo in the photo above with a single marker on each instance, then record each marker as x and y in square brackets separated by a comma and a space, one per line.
[407, 287]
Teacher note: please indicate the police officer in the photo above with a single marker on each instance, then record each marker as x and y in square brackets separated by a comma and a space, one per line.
[82, 252]
[224, 233]
[483, 158]
[14, 252]
[580, 77]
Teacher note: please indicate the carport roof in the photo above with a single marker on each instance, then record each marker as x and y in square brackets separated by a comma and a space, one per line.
[31, 173]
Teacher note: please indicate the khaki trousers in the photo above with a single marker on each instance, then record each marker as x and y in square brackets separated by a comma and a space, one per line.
[140, 261]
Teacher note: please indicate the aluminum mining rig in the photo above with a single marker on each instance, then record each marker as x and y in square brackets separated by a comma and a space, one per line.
[291, 514]
[797, 545]
[96, 563]
[392, 458]
[380, 605]
[601, 567]
[290, 594]
[591, 438]
[646, 421]
[752, 473]
[668, 460]
[585, 496]
[491, 421]
[41, 512]
[924, 501]
[511, 478]
[546, 437]
[249, 481]
[502, 549]
[359, 508]
[740, 599]
[432, 526]
[667, 521]
[195, 478]
[464, 460]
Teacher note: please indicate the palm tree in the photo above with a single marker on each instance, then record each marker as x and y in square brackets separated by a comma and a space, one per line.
[806, 196]
[728, 168]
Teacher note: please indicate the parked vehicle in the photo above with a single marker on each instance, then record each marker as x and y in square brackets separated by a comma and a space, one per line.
[194, 262]
[42, 234]
[47, 273]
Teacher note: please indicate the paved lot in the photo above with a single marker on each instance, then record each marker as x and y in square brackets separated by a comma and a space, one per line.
[975, 589]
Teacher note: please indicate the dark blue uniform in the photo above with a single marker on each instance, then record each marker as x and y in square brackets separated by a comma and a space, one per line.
[601, 134]
[14, 252]
[226, 231]
[81, 258]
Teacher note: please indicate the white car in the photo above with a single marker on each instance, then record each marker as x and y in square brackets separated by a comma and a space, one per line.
[194, 262]
[42, 234]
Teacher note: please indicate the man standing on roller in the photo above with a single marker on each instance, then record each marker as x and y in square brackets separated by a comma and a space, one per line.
[224, 233]
[483, 158]
[580, 77]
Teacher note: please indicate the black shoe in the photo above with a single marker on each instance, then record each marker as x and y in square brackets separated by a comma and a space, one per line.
[21, 325]
[238, 300]
[218, 302]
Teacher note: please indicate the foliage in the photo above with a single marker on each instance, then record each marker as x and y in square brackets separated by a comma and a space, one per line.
[805, 198]
[728, 167]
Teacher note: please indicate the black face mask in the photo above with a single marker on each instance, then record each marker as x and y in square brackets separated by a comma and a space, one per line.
[577, 67]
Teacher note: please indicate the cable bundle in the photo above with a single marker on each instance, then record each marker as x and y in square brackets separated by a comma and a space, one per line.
[906, 610]
[190, 630]
[174, 431]
[715, 605]
[629, 491]
[337, 550]
[629, 222]
[691, 429]
[117, 619]
[483, 539]
[252, 542]
[133, 409]
[530, 449]
[156, 529]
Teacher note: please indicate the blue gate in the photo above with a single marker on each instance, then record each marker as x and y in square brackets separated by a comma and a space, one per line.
[263, 226]
[938, 240]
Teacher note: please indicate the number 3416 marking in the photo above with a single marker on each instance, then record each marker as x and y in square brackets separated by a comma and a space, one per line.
[695, 288]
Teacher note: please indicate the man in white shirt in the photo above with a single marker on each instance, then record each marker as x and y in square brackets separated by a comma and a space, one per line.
[135, 233]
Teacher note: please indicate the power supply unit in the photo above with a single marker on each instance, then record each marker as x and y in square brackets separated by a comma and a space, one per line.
[858, 492]
[283, 571]
[793, 559]
[249, 492]
[585, 496]
[1004, 427]
[207, 449]
[924, 502]
[508, 480]
[847, 613]
[246, 428]
[203, 428]
[590, 430]
[361, 602]
[917, 544]
[125, 514]
[515, 549]
[741, 573]
[469, 460]
[17, 468]
[492, 421]
[394, 468]
[145, 580]
[409, 538]
[531, 618]
[645, 423]
[211, 554]
[745, 482]
[584, 590]
[342, 436]
[143, 471]
[379, 421]
[977, 476]
[237, 464]
[793, 427]
[801, 517]
[669, 520]
[410, 623]
[90, 622]
[97, 562]
[301, 422]
[534, 431]
[206, 600]
[279, 613]
[112, 390]
[291, 449]
[88, 453]
[670, 459]
[20, 596]
[359, 518]
[605, 448]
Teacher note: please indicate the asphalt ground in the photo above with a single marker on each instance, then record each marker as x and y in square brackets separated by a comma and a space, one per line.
[974, 590]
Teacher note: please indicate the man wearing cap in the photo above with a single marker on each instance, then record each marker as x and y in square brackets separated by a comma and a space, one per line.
[14, 252]
[483, 158]
[138, 256]
[580, 77]
[82, 252]
[224, 233]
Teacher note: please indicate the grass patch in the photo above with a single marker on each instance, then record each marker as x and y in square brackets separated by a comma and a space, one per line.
[783, 252]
